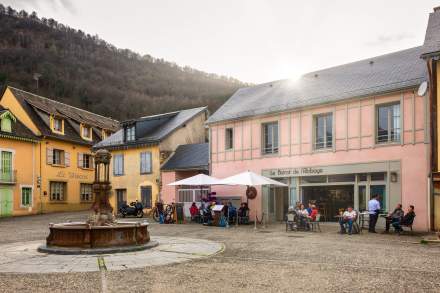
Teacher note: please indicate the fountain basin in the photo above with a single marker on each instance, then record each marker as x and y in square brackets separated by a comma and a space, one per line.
[81, 237]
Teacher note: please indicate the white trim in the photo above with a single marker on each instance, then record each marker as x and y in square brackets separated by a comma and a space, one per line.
[21, 195]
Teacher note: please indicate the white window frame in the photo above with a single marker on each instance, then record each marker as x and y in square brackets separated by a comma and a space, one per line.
[326, 145]
[229, 141]
[31, 196]
[390, 119]
[274, 150]
[130, 133]
[81, 185]
[142, 166]
[115, 165]
[64, 194]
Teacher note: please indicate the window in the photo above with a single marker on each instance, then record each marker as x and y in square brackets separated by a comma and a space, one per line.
[229, 138]
[121, 197]
[26, 196]
[57, 191]
[57, 125]
[6, 124]
[130, 133]
[118, 165]
[58, 157]
[388, 123]
[270, 138]
[341, 178]
[146, 163]
[323, 131]
[85, 161]
[105, 134]
[86, 192]
[86, 132]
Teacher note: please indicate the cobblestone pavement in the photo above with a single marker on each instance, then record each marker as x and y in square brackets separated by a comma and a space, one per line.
[266, 260]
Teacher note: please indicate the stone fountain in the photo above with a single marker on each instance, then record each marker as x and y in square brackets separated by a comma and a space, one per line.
[101, 233]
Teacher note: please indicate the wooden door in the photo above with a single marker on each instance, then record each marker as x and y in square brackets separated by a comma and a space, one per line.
[146, 196]
[5, 202]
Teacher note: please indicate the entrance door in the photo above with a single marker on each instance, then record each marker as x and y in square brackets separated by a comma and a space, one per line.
[146, 196]
[5, 202]
[120, 197]
[278, 203]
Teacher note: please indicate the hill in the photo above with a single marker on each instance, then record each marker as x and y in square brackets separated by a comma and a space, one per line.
[85, 71]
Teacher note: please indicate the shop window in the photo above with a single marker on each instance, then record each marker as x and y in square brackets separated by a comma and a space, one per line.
[362, 177]
[57, 191]
[270, 138]
[341, 178]
[229, 138]
[146, 166]
[130, 133]
[26, 196]
[314, 179]
[323, 131]
[378, 176]
[118, 165]
[86, 192]
[381, 191]
[388, 123]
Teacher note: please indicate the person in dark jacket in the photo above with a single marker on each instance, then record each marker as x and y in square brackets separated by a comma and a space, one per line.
[395, 216]
[407, 219]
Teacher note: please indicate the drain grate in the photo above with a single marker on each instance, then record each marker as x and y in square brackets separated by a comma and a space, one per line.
[296, 236]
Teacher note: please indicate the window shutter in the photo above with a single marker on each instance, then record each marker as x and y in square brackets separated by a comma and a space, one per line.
[67, 159]
[49, 156]
[122, 165]
[92, 162]
[115, 161]
[142, 164]
[80, 160]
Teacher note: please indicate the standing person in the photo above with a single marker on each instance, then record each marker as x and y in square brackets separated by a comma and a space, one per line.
[373, 210]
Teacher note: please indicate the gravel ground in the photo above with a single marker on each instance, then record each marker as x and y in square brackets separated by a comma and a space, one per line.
[268, 260]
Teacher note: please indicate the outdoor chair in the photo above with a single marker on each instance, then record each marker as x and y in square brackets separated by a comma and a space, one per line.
[291, 222]
[315, 224]
[407, 226]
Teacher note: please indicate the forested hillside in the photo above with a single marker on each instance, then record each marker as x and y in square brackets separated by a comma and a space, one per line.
[85, 71]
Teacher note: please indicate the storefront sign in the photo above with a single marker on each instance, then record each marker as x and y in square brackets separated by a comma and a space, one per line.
[71, 175]
[295, 172]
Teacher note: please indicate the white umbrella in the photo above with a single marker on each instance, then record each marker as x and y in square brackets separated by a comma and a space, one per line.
[249, 178]
[199, 180]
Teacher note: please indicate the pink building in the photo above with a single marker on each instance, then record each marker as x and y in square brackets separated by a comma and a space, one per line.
[336, 136]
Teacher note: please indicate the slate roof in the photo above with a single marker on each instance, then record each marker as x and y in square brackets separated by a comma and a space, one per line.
[431, 46]
[188, 157]
[381, 74]
[151, 129]
[19, 130]
[40, 109]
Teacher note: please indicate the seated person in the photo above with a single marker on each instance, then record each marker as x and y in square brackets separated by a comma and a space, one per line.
[309, 209]
[231, 212]
[395, 216]
[242, 211]
[303, 216]
[406, 220]
[313, 213]
[348, 217]
[194, 211]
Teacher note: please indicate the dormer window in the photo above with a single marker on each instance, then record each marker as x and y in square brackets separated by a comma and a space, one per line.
[86, 132]
[6, 119]
[57, 125]
[130, 133]
[104, 134]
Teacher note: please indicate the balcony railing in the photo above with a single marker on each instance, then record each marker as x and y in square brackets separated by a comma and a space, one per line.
[8, 177]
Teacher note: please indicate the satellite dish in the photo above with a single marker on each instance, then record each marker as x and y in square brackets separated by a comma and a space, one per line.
[422, 89]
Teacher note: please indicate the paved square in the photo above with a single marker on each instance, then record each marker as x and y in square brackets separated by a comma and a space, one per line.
[251, 261]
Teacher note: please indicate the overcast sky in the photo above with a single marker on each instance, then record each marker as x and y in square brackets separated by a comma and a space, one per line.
[252, 40]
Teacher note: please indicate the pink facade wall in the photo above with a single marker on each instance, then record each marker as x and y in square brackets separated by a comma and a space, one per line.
[169, 193]
[354, 142]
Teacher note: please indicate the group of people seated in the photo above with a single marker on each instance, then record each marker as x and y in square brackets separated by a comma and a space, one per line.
[304, 215]
[397, 218]
[205, 213]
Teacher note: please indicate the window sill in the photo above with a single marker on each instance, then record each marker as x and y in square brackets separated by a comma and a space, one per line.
[146, 173]
[118, 175]
[384, 144]
[323, 150]
[58, 132]
[268, 155]
[57, 166]
[58, 202]
[26, 206]
[87, 169]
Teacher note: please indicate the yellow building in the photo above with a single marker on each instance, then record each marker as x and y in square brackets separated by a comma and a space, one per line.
[62, 156]
[18, 167]
[431, 54]
[142, 145]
